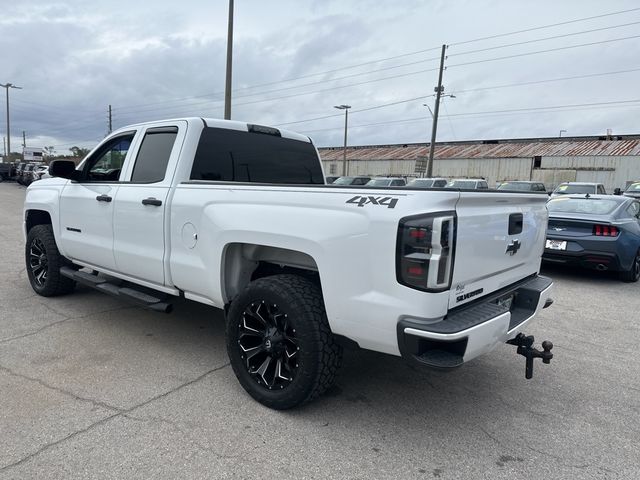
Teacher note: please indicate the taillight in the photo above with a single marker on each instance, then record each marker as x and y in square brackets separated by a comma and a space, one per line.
[425, 251]
[605, 231]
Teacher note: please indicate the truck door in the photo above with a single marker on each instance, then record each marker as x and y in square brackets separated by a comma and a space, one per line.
[140, 207]
[86, 206]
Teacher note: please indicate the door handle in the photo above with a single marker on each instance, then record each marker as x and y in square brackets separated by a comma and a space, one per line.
[103, 198]
[152, 201]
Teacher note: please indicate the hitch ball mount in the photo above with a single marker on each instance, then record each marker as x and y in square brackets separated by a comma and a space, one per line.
[525, 348]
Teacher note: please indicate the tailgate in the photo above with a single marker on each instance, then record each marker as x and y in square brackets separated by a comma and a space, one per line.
[500, 239]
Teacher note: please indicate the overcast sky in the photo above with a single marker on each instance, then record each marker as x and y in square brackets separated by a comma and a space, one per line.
[295, 59]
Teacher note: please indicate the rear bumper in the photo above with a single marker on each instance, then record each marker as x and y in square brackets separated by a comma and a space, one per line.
[594, 259]
[477, 328]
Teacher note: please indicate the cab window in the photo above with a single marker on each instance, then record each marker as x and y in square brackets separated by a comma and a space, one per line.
[105, 165]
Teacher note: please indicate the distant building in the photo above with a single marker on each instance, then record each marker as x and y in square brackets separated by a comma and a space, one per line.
[611, 160]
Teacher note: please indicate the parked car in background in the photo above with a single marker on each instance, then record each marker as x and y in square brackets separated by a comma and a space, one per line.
[331, 179]
[468, 184]
[351, 181]
[26, 178]
[601, 232]
[6, 171]
[40, 172]
[633, 190]
[428, 183]
[19, 171]
[386, 182]
[569, 188]
[521, 185]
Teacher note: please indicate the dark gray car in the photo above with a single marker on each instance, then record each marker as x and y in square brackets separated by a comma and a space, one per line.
[601, 232]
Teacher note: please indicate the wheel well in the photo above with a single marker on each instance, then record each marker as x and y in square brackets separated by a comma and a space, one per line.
[37, 217]
[243, 263]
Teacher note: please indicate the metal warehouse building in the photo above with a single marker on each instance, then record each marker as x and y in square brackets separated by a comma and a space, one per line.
[611, 160]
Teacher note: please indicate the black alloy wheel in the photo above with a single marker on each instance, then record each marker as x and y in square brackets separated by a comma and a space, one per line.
[38, 262]
[269, 345]
[44, 261]
[279, 342]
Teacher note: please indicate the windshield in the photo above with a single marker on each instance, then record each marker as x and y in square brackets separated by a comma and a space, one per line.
[421, 182]
[470, 184]
[343, 181]
[634, 187]
[379, 182]
[595, 206]
[514, 186]
[566, 189]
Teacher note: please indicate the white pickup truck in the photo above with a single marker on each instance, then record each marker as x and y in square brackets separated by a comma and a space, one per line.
[237, 216]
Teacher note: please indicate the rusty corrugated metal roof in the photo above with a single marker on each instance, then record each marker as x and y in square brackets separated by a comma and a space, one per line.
[586, 146]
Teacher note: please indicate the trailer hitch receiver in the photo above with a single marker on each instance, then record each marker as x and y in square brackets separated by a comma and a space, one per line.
[525, 348]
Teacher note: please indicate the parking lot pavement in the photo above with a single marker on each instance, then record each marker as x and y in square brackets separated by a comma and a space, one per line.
[92, 387]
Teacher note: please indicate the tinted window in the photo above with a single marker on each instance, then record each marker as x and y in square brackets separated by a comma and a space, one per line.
[106, 163]
[361, 181]
[153, 156]
[421, 183]
[483, 185]
[234, 156]
[596, 206]
[397, 183]
[601, 190]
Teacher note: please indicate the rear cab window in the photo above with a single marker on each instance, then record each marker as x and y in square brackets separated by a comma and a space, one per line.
[225, 155]
[153, 155]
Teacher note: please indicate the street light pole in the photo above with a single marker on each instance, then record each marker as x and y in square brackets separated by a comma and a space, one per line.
[344, 150]
[227, 88]
[7, 86]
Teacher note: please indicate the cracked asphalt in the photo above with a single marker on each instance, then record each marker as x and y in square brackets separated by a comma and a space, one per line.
[92, 387]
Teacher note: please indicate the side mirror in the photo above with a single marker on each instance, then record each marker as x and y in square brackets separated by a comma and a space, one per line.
[64, 169]
[617, 191]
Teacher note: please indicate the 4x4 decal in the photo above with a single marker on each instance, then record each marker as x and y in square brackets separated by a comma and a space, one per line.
[361, 201]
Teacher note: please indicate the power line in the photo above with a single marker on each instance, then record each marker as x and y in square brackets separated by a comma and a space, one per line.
[543, 51]
[554, 37]
[394, 57]
[491, 112]
[499, 35]
[301, 93]
[491, 87]
[318, 82]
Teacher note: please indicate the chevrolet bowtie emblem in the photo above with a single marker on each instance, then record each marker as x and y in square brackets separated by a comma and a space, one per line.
[513, 247]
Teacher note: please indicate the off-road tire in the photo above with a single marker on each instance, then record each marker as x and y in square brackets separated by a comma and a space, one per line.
[54, 283]
[633, 274]
[318, 356]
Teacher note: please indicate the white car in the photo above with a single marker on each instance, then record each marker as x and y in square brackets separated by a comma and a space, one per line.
[40, 172]
[237, 216]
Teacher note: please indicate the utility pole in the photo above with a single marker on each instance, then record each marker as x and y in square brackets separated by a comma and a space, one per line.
[439, 89]
[7, 86]
[227, 88]
[110, 123]
[24, 139]
[346, 122]
[4, 146]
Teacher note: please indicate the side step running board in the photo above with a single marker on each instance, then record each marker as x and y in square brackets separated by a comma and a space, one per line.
[128, 292]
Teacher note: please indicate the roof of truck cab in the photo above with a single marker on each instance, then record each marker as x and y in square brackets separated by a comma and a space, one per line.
[227, 124]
